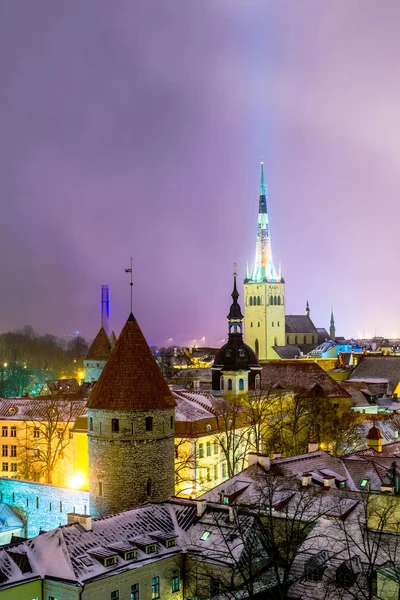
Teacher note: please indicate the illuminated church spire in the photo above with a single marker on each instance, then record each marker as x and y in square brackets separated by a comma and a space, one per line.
[332, 328]
[264, 269]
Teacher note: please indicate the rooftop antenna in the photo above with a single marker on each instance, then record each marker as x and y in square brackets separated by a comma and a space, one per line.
[131, 283]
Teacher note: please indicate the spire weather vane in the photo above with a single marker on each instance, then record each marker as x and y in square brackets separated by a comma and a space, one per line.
[131, 283]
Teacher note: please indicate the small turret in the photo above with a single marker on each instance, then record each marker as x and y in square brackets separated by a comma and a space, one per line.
[332, 328]
[374, 439]
[307, 309]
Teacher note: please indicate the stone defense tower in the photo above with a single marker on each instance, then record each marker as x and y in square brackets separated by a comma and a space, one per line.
[236, 369]
[97, 356]
[264, 292]
[131, 429]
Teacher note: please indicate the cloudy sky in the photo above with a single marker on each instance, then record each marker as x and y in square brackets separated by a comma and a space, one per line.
[136, 129]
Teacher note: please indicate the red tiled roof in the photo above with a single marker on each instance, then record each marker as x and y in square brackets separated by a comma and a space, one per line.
[131, 379]
[100, 348]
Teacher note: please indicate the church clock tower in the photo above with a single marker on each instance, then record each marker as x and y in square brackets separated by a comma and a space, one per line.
[264, 292]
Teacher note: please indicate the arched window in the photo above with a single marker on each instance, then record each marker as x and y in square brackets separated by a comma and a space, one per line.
[256, 347]
[271, 299]
[276, 341]
[251, 301]
[229, 384]
[258, 300]
[148, 487]
[254, 300]
[251, 324]
[279, 299]
[257, 382]
[241, 384]
[274, 299]
[221, 383]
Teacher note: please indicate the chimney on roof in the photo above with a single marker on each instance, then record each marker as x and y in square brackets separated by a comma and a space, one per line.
[306, 479]
[201, 507]
[312, 447]
[257, 457]
[84, 520]
[374, 438]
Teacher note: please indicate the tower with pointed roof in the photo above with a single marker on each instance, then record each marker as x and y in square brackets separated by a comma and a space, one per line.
[332, 328]
[131, 428]
[97, 356]
[264, 291]
[236, 368]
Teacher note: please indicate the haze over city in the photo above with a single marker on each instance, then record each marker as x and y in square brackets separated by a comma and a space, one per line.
[137, 129]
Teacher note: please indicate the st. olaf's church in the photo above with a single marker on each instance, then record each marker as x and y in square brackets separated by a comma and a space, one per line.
[269, 332]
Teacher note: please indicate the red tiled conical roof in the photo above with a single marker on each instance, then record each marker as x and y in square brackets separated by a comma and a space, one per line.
[100, 348]
[131, 379]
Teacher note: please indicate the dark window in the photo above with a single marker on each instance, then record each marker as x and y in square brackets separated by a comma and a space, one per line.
[215, 448]
[257, 382]
[274, 299]
[155, 587]
[13, 432]
[107, 563]
[13, 451]
[215, 587]
[208, 449]
[256, 347]
[100, 488]
[229, 384]
[115, 425]
[172, 422]
[215, 471]
[135, 591]
[201, 451]
[4, 466]
[114, 595]
[305, 340]
[314, 573]
[344, 578]
[279, 299]
[251, 301]
[4, 431]
[223, 469]
[241, 384]
[258, 300]
[271, 299]
[175, 581]
[336, 406]
[149, 423]
[251, 324]
[14, 467]
[91, 423]
[36, 432]
[4, 450]
[148, 487]
[221, 382]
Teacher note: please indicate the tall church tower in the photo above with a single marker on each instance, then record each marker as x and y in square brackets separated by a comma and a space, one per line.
[264, 291]
[131, 429]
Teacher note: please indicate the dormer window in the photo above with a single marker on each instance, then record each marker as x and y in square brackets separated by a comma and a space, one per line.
[111, 560]
[130, 555]
[170, 543]
[151, 548]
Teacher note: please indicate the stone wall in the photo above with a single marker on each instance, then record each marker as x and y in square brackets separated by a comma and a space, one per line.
[42, 506]
[121, 463]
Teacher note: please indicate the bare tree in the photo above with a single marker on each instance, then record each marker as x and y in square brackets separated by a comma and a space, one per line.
[48, 425]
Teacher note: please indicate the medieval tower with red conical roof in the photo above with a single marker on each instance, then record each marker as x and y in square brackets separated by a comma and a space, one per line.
[131, 428]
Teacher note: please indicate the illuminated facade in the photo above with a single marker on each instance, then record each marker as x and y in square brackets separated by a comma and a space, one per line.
[264, 291]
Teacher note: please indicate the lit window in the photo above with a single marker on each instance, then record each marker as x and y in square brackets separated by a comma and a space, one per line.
[135, 591]
[364, 483]
[229, 384]
[175, 581]
[155, 587]
[205, 535]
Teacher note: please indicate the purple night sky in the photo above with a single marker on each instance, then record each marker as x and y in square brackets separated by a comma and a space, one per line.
[137, 127]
